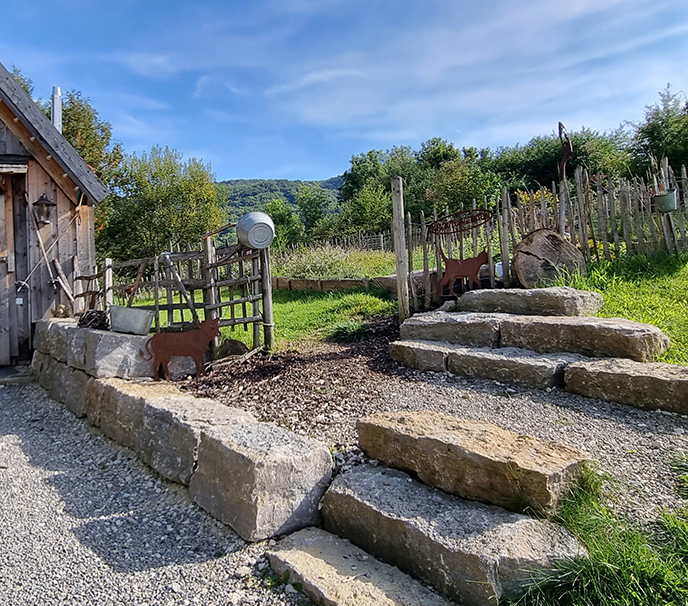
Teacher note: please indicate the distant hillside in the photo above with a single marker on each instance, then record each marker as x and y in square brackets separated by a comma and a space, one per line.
[246, 195]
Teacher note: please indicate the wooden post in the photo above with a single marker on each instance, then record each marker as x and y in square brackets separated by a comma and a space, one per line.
[504, 238]
[582, 219]
[209, 288]
[255, 291]
[400, 247]
[602, 218]
[638, 217]
[107, 283]
[612, 217]
[266, 283]
[475, 232]
[426, 263]
[156, 293]
[409, 245]
[624, 203]
[490, 260]
[563, 190]
[544, 212]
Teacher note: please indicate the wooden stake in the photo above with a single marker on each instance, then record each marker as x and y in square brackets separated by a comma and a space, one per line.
[400, 247]
[409, 246]
[426, 262]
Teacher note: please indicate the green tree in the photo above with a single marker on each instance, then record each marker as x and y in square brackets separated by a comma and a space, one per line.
[370, 210]
[312, 201]
[434, 152]
[664, 132]
[160, 200]
[458, 182]
[82, 126]
[288, 226]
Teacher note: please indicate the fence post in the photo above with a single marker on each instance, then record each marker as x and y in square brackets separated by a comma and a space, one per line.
[400, 247]
[209, 292]
[266, 278]
[107, 283]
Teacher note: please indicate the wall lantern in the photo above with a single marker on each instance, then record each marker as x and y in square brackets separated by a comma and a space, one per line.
[42, 209]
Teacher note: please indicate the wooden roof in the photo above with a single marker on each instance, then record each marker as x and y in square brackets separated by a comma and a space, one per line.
[37, 133]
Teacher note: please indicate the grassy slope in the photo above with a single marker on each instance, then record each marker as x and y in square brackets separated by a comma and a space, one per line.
[645, 289]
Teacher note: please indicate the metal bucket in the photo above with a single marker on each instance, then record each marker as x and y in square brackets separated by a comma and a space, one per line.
[255, 230]
[130, 320]
[665, 203]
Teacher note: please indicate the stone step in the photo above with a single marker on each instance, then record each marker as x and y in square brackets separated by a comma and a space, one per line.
[556, 301]
[649, 386]
[473, 329]
[333, 572]
[594, 337]
[473, 459]
[509, 364]
[588, 336]
[473, 553]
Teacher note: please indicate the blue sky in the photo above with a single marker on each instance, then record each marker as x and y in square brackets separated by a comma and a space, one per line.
[294, 88]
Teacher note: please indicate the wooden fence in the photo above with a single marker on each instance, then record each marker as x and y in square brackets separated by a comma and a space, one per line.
[604, 219]
[235, 284]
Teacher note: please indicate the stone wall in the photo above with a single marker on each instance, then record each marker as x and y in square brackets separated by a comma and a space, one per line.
[260, 479]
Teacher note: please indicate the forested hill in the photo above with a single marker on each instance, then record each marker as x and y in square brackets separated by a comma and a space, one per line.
[246, 195]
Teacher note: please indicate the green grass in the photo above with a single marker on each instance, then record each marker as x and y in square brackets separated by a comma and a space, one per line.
[305, 316]
[652, 289]
[626, 567]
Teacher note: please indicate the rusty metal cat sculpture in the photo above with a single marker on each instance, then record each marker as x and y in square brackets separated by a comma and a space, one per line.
[455, 270]
[193, 343]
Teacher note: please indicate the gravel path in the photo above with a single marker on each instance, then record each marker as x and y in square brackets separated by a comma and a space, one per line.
[82, 521]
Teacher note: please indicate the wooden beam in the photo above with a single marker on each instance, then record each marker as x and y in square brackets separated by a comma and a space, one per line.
[38, 152]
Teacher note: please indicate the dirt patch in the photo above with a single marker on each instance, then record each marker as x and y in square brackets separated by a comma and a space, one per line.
[314, 392]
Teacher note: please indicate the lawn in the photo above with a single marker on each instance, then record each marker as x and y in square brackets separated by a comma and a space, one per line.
[651, 289]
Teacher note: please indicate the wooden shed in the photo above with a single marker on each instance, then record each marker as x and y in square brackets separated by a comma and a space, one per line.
[47, 193]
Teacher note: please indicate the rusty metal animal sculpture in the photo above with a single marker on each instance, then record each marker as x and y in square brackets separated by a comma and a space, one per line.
[456, 270]
[193, 343]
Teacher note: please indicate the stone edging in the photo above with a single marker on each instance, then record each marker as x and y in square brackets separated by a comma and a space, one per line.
[260, 479]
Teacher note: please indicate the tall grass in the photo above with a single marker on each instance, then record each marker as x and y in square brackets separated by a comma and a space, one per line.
[626, 567]
[644, 288]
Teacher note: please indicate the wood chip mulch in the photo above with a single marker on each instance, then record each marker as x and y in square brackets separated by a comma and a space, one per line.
[319, 392]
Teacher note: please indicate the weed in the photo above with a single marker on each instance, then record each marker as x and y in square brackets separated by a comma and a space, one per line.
[349, 331]
[680, 464]
[626, 566]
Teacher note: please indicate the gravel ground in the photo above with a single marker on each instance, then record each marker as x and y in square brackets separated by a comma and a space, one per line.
[321, 393]
[82, 521]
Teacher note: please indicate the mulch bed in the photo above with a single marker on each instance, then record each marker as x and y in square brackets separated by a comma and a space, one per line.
[311, 392]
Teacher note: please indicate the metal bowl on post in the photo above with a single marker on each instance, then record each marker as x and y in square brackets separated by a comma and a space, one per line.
[255, 230]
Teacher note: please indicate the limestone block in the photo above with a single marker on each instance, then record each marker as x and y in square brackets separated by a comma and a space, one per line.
[304, 284]
[510, 365]
[334, 572]
[76, 352]
[473, 459]
[38, 363]
[111, 354]
[75, 393]
[260, 479]
[61, 335]
[423, 355]
[594, 337]
[556, 301]
[118, 413]
[59, 388]
[95, 392]
[475, 554]
[649, 386]
[50, 335]
[172, 425]
[40, 336]
[474, 329]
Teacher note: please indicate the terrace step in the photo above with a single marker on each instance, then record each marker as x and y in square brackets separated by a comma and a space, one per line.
[649, 386]
[473, 553]
[509, 364]
[473, 459]
[555, 301]
[472, 329]
[333, 572]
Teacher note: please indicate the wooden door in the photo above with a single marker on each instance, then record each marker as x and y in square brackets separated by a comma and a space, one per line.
[6, 267]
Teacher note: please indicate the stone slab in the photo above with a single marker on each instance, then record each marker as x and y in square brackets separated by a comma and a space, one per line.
[649, 386]
[555, 301]
[475, 554]
[473, 329]
[511, 365]
[594, 337]
[423, 355]
[260, 479]
[334, 572]
[473, 459]
[172, 425]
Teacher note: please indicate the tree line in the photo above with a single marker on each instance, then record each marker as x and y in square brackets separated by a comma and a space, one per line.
[440, 175]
